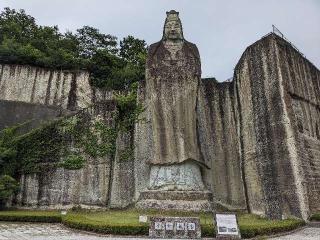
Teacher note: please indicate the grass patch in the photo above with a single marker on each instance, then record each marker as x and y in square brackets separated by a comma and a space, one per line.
[125, 222]
[315, 217]
[30, 216]
[253, 225]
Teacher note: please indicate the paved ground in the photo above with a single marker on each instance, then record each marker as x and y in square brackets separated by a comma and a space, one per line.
[43, 231]
[309, 233]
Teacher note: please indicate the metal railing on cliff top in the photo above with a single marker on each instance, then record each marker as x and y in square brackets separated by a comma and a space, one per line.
[275, 30]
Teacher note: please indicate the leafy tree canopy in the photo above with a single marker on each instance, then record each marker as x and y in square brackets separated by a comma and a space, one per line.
[112, 65]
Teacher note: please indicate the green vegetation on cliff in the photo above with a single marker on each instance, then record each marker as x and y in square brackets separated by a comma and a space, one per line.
[111, 65]
[64, 143]
[68, 142]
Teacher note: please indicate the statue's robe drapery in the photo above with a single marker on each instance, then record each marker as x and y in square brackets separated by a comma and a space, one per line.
[172, 78]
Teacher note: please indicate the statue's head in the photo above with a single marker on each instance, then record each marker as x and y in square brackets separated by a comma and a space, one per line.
[172, 27]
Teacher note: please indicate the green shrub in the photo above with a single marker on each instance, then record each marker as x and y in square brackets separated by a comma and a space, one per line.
[30, 216]
[267, 227]
[208, 230]
[73, 162]
[128, 109]
[315, 217]
[8, 186]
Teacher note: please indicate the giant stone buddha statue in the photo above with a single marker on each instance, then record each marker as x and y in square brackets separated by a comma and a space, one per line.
[172, 78]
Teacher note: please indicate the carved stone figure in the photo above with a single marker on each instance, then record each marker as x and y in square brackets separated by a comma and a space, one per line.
[172, 79]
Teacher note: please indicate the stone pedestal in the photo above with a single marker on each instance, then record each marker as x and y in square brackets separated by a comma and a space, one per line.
[176, 177]
[193, 201]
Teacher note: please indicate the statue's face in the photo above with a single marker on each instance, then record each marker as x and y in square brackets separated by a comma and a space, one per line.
[173, 29]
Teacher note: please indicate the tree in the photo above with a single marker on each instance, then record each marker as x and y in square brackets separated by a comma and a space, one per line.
[133, 50]
[103, 64]
[17, 25]
[8, 187]
[46, 38]
[8, 150]
[91, 40]
[22, 41]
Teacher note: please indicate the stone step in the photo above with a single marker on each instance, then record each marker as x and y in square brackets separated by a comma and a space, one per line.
[176, 195]
[314, 224]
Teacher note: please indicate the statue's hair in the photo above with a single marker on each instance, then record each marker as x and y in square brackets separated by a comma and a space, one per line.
[170, 13]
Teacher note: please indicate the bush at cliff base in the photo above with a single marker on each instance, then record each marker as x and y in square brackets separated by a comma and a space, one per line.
[126, 222]
[315, 217]
[8, 186]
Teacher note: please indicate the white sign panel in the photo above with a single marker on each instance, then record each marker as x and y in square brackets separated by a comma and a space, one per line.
[191, 226]
[169, 226]
[180, 226]
[143, 219]
[158, 226]
[63, 212]
[227, 224]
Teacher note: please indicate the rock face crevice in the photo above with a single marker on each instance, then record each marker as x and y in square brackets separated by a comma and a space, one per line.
[219, 142]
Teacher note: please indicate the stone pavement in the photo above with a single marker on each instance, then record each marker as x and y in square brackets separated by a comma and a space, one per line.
[309, 233]
[44, 231]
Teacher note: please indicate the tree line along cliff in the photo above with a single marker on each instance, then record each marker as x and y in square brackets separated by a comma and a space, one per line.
[111, 64]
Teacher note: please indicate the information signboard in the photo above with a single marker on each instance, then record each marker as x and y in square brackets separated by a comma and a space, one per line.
[227, 225]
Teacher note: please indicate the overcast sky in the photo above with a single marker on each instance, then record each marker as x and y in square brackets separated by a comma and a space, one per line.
[221, 29]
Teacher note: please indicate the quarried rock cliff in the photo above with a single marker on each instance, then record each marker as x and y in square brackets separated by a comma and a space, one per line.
[301, 92]
[278, 94]
[88, 164]
[259, 135]
[66, 89]
[78, 165]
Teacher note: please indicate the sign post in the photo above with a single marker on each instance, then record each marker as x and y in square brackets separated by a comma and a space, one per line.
[227, 226]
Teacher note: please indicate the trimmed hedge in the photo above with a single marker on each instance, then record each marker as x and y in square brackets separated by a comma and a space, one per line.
[208, 230]
[116, 222]
[30, 216]
[126, 222]
[82, 223]
[315, 217]
[269, 228]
